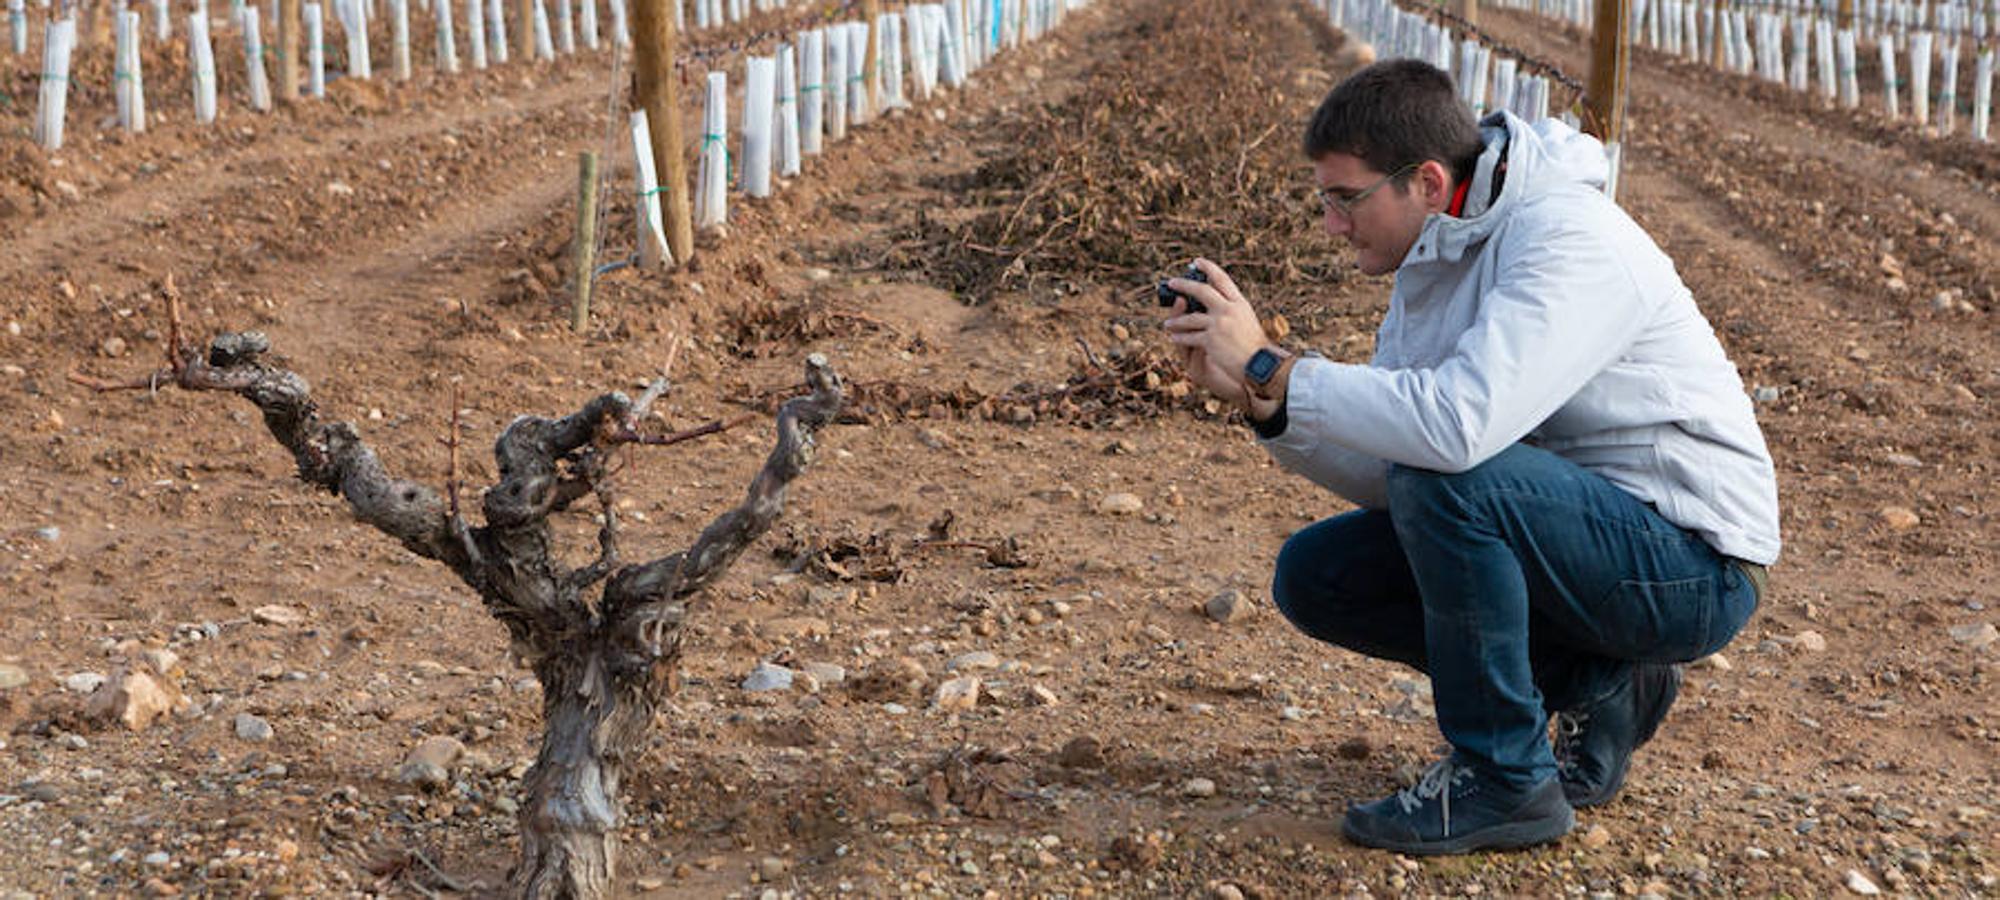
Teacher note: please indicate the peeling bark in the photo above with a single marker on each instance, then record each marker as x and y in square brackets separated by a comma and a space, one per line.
[605, 667]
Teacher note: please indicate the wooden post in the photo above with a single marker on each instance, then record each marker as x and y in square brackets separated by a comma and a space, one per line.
[1468, 10]
[653, 39]
[586, 239]
[524, 29]
[872, 9]
[288, 50]
[1716, 54]
[1604, 101]
[1846, 19]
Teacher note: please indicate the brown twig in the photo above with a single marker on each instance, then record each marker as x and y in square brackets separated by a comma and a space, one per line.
[176, 351]
[142, 383]
[1089, 355]
[663, 440]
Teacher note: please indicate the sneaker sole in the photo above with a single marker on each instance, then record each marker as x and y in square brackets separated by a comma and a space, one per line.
[1511, 836]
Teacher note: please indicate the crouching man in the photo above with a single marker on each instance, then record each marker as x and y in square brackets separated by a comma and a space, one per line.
[1563, 490]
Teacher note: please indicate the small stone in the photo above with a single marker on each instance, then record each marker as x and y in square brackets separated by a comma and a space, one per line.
[977, 659]
[1811, 641]
[113, 346]
[1897, 286]
[83, 682]
[1715, 661]
[1198, 787]
[768, 677]
[429, 763]
[817, 274]
[649, 883]
[133, 699]
[1974, 636]
[154, 887]
[277, 615]
[285, 850]
[1860, 884]
[1042, 696]
[771, 868]
[252, 728]
[339, 189]
[160, 660]
[1764, 394]
[1756, 854]
[1898, 518]
[1292, 713]
[1120, 504]
[1226, 892]
[1225, 607]
[1904, 460]
[957, 694]
[1081, 752]
[156, 858]
[1597, 838]
[12, 676]
[791, 628]
[827, 674]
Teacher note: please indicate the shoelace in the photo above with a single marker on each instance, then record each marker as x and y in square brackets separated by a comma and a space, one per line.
[1437, 782]
[1569, 733]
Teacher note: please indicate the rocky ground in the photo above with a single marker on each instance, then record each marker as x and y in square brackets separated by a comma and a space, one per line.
[1013, 636]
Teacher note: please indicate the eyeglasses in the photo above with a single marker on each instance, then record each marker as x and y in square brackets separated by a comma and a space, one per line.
[1336, 200]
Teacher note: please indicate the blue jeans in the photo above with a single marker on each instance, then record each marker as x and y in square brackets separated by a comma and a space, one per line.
[1523, 586]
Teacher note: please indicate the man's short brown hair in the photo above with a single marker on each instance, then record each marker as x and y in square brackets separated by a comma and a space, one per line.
[1396, 113]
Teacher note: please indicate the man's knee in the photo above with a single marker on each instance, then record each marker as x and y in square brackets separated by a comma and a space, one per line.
[1316, 566]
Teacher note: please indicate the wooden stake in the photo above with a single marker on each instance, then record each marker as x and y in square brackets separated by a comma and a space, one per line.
[1716, 56]
[1604, 102]
[653, 38]
[524, 31]
[586, 239]
[288, 50]
[1846, 14]
[872, 10]
[1469, 11]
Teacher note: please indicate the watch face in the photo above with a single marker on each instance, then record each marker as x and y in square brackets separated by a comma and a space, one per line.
[1262, 365]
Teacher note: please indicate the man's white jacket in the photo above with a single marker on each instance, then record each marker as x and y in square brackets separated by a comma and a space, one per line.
[1546, 315]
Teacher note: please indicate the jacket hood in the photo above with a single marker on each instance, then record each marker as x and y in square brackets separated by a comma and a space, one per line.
[1540, 159]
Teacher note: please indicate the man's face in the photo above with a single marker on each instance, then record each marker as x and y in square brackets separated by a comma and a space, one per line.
[1380, 226]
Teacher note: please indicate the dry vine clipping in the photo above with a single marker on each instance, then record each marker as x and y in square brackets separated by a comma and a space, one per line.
[606, 664]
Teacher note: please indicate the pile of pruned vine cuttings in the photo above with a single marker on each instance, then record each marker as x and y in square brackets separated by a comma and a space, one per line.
[1184, 145]
[1132, 381]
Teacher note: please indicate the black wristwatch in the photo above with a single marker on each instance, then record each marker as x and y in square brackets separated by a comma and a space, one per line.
[1262, 365]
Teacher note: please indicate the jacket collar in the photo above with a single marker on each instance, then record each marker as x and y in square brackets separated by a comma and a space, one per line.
[1446, 238]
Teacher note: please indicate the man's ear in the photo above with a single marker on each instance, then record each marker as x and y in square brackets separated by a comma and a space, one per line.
[1434, 181]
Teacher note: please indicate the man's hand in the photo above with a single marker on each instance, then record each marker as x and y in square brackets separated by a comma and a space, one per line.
[1214, 346]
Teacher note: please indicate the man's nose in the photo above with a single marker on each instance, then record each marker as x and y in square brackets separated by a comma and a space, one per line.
[1336, 224]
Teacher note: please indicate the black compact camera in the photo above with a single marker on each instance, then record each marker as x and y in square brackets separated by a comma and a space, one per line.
[1168, 295]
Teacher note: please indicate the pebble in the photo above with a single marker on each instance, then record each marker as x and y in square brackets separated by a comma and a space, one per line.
[768, 677]
[1904, 460]
[1715, 661]
[156, 858]
[1597, 838]
[771, 868]
[957, 694]
[252, 728]
[83, 682]
[277, 615]
[1198, 787]
[1899, 518]
[1120, 504]
[1811, 641]
[12, 676]
[1756, 853]
[1225, 606]
[1227, 892]
[113, 346]
[1975, 636]
[827, 674]
[428, 764]
[1860, 884]
[49, 534]
[1764, 394]
[977, 659]
[818, 274]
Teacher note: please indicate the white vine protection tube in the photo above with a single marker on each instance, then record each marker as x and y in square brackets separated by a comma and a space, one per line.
[915, 20]
[253, 59]
[789, 163]
[1947, 117]
[163, 21]
[857, 75]
[565, 27]
[122, 85]
[355, 19]
[1920, 78]
[1800, 57]
[1982, 95]
[314, 17]
[712, 204]
[892, 53]
[653, 252]
[1691, 32]
[586, 22]
[1890, 106]
[1503, 85]
[1829, 84]
[496, 34]
[620, 34]
[447, 42]
[954, 45]
[760, 94]
[1850, 82]
[399, 39]
[58, 39]
[17, 25]
[812, 94]
[836, 82]
[203, 62]
[475, 30]
[545, 48]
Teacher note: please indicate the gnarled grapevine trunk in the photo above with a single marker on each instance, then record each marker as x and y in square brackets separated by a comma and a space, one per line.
[604, 667]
